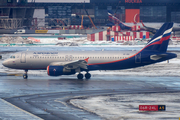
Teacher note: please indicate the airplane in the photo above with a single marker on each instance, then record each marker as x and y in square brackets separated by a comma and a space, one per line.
[114, 20]
[129, 26]
[150, 29]
[154, 29]
[71, 62]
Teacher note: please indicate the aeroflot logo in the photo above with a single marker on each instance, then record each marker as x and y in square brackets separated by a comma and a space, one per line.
[133, 1]
[45, 52]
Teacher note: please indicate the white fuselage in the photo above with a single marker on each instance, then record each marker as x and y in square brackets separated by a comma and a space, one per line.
[40, 60]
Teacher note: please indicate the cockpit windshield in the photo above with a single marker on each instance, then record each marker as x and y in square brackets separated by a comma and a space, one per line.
[12, 56]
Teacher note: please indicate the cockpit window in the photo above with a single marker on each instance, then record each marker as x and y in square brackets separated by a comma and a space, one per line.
[12, 57]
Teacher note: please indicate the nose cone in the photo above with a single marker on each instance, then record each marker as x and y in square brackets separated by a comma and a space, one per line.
[5, 63]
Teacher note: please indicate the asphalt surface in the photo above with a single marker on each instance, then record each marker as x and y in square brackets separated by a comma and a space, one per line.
[49, 98]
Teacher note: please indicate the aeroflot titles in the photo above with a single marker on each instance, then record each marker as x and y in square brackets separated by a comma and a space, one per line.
[45, 53]
[133, 1]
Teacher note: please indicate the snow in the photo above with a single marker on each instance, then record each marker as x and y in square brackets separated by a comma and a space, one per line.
[77, 40]
[126, 106]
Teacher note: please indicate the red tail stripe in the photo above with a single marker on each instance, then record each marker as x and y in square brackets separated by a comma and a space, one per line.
[160, 41]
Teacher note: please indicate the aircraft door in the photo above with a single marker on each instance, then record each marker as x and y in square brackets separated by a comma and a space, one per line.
[68, 58]
[23, 57]
[138, 58]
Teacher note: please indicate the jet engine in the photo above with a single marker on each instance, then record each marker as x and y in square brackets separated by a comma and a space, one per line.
[59, 70]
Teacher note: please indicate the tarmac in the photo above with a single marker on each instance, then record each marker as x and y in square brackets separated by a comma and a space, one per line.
[49, 98]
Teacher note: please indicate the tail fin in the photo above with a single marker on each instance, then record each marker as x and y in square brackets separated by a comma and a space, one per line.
[113, 18]
[160, 40]
[142, 23]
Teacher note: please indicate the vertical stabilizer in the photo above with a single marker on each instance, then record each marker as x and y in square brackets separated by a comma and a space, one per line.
[160, 40]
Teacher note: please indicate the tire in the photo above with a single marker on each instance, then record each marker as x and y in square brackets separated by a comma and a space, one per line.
[80, 76]
[25, 76]
[87, 75]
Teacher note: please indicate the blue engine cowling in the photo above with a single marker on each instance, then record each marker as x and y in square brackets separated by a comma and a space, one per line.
[59, 70]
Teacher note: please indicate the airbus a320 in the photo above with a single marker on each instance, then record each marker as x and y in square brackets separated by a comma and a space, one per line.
[70, 62]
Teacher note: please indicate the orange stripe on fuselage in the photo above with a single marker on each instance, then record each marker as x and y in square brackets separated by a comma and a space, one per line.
[111, 61]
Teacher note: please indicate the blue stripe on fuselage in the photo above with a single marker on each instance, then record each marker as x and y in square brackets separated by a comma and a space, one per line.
[130, 62]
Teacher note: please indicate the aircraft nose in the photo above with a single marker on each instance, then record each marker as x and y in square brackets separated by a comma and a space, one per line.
[5, 63]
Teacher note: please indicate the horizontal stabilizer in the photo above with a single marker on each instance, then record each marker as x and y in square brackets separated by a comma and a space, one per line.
[157, 57]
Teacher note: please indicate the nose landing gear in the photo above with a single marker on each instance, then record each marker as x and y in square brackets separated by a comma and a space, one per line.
[25, 76]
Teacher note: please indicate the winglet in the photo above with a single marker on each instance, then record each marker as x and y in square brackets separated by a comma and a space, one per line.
[86, 59]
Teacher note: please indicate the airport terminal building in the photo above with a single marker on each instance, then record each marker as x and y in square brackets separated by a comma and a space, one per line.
[47, 13]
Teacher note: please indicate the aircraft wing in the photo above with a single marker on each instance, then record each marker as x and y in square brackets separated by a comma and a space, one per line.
[73, 64]
[150, 29]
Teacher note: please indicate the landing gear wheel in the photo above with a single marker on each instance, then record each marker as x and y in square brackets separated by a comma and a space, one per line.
[80, 76]
[25, 76]
[87, 75]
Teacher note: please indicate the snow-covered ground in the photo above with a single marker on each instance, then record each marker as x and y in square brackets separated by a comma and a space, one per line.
[126, 106]
[71, 41]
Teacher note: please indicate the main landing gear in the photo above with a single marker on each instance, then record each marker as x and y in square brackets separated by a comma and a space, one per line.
[87, 76]
[25, 76]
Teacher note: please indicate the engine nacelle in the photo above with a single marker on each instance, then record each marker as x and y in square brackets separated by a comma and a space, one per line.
[59, 70]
